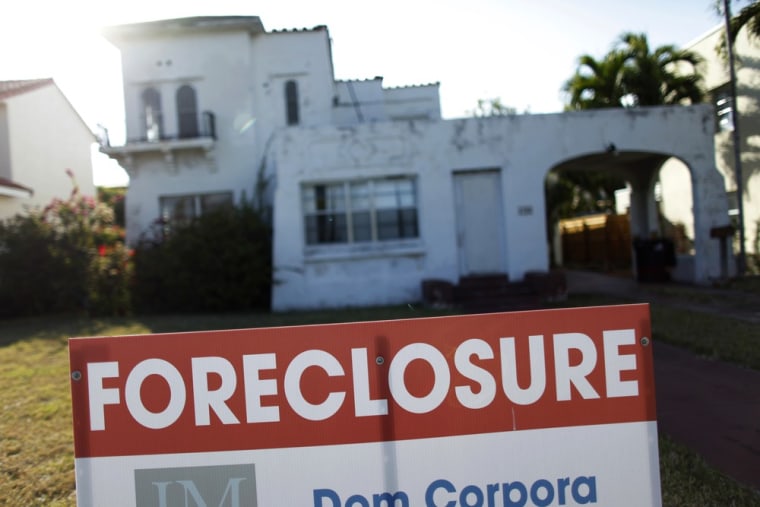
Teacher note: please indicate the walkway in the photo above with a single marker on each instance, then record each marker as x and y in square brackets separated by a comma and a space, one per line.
[713, 407]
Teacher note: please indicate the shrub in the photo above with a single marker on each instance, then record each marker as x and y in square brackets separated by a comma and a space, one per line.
[221, 261]
[67, 257]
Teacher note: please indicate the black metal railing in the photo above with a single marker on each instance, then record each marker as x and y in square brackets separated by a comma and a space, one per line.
[206, 128]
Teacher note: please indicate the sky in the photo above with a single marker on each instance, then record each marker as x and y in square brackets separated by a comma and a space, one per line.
[520, 51]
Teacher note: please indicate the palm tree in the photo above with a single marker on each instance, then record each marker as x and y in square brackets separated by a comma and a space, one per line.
[629, 75]
[633, 75]
[597, 83]
[749, 17]
[653, 78]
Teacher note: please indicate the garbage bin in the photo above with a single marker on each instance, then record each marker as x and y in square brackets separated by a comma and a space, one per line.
[654, 259]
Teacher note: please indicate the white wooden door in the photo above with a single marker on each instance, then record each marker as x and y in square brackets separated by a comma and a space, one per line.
[480, 222]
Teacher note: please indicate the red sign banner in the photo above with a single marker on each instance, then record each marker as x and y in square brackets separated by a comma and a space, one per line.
[362, 382]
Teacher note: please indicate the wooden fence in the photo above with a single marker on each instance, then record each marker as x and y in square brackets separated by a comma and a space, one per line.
[600, 241]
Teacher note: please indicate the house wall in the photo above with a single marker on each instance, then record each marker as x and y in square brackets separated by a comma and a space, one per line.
[5, 148]
[8, 204]
[45, 138]
[679, 212]
[716, 75]
[376, 103]
[359, 101]
[240, 79]
[413, 102]
[218, 66]
[302, 56]
[523, 148]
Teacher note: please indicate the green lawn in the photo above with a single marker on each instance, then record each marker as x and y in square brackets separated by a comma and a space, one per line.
[36, 443]
[710, 335]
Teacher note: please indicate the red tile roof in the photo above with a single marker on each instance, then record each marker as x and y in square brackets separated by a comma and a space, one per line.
[17, 87]
[6, 183]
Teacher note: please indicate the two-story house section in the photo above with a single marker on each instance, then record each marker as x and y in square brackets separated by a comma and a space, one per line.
[204, 97]
[42, 140]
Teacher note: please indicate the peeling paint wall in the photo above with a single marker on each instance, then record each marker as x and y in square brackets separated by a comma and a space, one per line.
[522, 148]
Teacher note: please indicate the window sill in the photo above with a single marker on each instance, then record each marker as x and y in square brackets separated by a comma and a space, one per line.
[360, 251]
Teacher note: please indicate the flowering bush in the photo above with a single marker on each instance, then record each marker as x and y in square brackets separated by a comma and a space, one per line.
[68, 256]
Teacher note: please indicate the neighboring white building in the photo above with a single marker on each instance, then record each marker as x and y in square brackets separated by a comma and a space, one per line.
[676, 205]
[372, 192]
[41, 137]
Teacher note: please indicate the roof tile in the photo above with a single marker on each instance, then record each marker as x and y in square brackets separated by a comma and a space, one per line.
[17, 87]
[4, 182]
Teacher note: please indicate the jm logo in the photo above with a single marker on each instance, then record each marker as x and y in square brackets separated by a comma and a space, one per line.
[208, 486]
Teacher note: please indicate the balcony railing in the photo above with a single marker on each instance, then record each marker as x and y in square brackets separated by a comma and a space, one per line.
[205, 129]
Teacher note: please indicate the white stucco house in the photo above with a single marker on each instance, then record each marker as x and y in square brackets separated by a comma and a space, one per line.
[41, 136]
[372, 192]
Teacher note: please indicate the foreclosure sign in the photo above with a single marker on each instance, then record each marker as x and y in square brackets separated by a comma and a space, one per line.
[541, 408]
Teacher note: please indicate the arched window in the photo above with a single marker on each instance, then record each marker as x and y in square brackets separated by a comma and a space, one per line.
[291, 102]
[151, 101]
[187, 112]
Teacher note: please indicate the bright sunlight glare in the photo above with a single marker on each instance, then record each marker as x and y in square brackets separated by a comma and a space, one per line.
[518, 51]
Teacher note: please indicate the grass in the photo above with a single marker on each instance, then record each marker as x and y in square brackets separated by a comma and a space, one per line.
[709, 335]
[749, 284]
[744, 295]
[36, 462]
[687, 481]
[36, 442]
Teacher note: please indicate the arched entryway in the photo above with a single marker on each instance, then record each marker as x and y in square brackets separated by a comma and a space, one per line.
[658, 203]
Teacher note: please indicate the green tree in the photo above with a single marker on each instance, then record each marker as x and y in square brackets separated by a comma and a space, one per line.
[666, 75]
[748, 17]
[632, 74]
[597, 83]
[493, 107]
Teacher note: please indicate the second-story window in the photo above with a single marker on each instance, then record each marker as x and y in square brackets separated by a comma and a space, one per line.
[187, 112]
[151, 101]
[291, 102]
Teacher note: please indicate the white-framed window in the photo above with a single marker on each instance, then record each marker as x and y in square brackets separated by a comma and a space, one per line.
[724, 108]
[360, 211]
[181, 209]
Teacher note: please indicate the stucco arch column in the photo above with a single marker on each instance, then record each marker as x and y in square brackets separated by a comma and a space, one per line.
[644, 222]
[710, 210]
